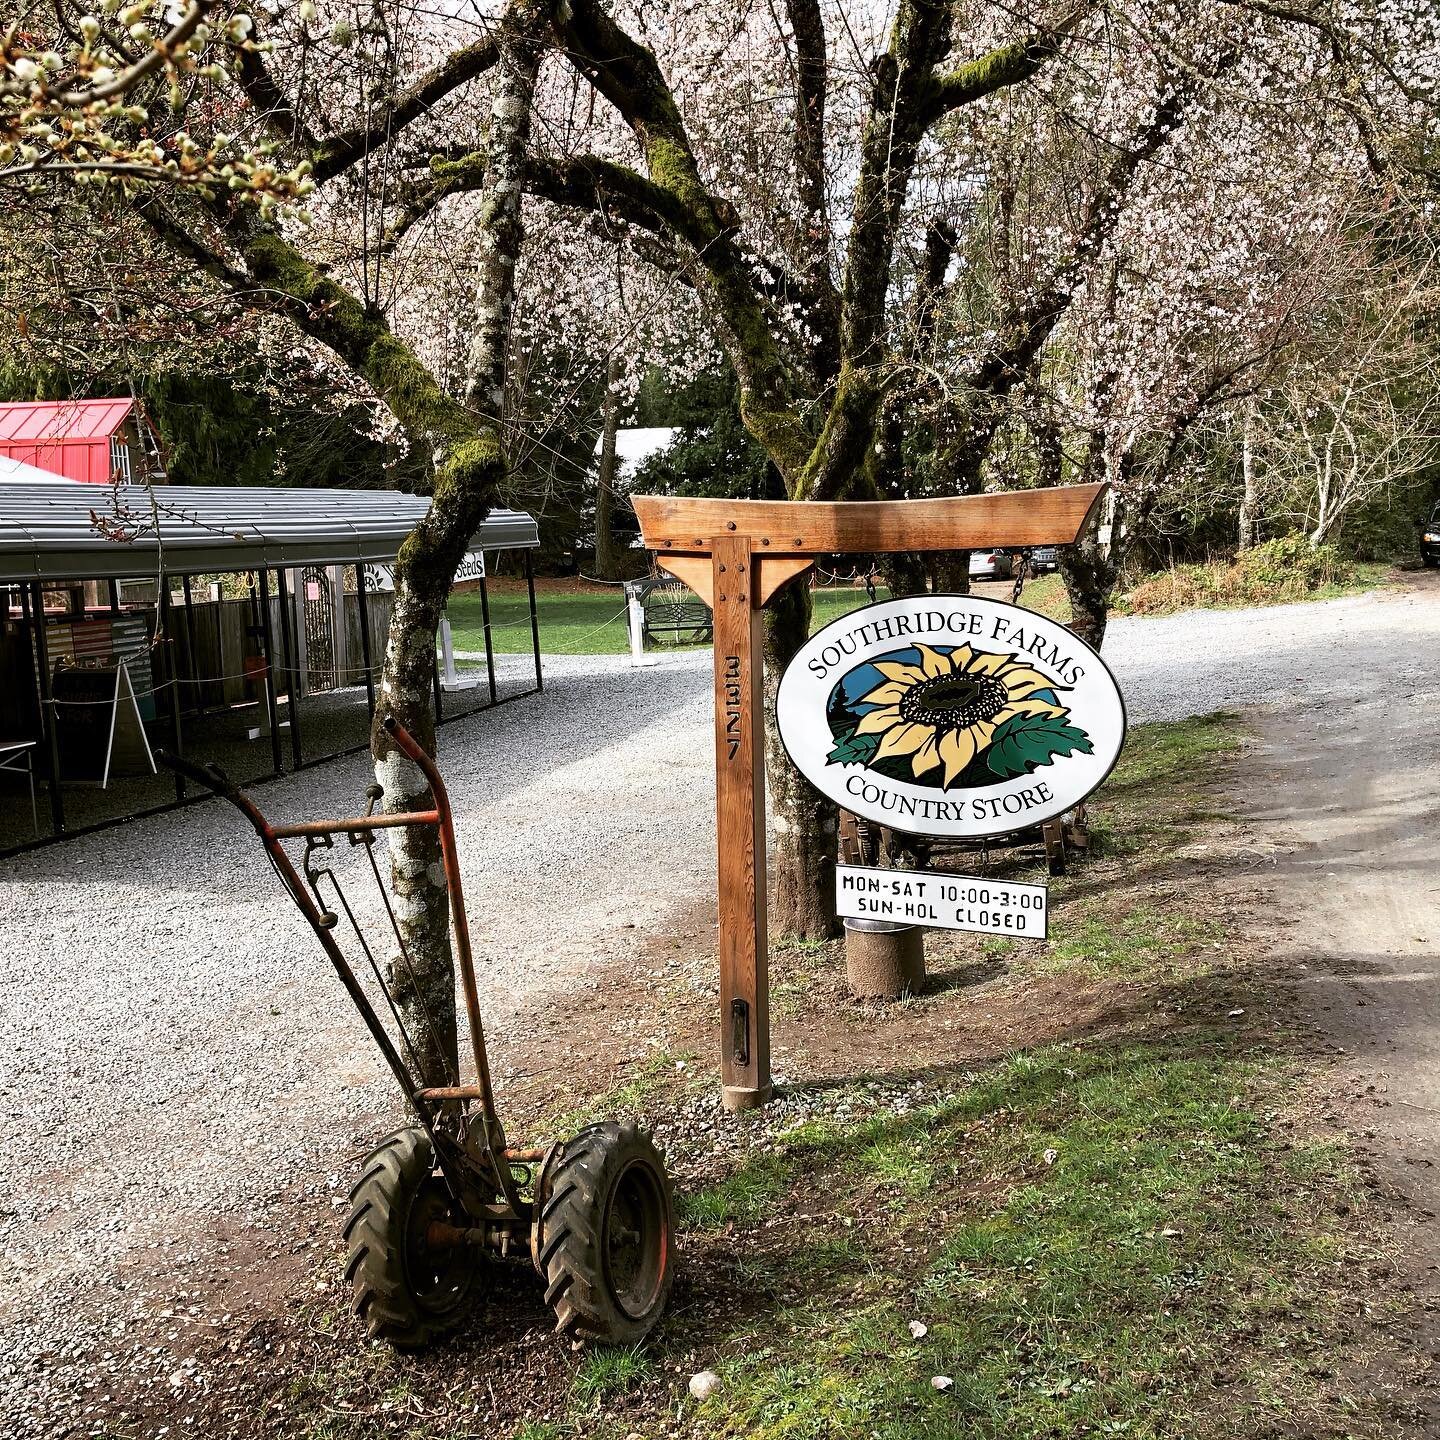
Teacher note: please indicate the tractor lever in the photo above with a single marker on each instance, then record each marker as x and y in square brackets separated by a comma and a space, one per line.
[212, 777]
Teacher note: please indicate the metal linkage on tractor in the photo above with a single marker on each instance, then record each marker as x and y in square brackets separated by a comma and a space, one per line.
[593, 1213]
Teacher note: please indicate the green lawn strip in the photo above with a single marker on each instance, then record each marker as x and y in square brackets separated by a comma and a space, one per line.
[1158, 792]
[1139, 942]
[587, 622]
[571, 622]
[592, 622]
[1108, 1242]
[1161, 788]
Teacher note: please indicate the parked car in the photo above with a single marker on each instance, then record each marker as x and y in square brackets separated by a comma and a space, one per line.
[1043, 558]
[1429, 539]
[991, 565]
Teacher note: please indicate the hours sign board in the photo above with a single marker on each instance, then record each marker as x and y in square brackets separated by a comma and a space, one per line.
[946, 902]
[950, 715]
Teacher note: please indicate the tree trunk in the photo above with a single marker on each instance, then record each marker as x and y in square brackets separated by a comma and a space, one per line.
[903, 573]
[606, 566]
[949, 572]
[1090, 569]
[425, 567]
[1089, 582]
[1249, 503]
[804, 822]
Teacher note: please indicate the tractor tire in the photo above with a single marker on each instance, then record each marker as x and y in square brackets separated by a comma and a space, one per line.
[606, 1243]
[406, 1293]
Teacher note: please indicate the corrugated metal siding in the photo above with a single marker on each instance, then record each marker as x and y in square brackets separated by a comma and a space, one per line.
[48, 532]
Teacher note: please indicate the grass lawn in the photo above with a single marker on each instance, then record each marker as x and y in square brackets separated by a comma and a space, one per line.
[582, 618]
[577, 618]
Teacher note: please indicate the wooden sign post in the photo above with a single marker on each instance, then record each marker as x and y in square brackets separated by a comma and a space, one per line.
[736, 554]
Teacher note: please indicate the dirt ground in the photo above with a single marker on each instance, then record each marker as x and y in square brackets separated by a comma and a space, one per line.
[1349, 797]
[1326, 869]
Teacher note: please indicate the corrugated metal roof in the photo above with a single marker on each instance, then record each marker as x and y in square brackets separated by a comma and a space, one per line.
[59, 421]
[48, 532]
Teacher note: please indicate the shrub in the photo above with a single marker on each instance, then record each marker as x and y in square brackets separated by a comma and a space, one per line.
[1279, 570]
[1291, 564]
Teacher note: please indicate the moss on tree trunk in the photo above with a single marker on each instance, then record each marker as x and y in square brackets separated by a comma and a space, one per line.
[802, 889]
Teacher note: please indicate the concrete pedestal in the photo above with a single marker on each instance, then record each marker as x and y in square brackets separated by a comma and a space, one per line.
[883, 960]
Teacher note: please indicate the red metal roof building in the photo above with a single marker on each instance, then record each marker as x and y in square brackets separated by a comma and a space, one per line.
[87, 440]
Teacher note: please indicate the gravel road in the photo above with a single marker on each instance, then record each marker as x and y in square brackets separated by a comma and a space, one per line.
[180, 1069]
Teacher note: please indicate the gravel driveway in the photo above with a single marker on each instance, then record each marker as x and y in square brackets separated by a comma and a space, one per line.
[181, 1069]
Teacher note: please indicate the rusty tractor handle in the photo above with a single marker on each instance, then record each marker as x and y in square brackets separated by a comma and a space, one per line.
[411, 748]
[212, 777]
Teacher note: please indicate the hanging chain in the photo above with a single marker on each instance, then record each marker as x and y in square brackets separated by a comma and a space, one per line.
[870, 584]
[1021, 571]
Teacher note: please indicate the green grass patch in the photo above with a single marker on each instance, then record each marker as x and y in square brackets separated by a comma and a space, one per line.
[1139, 942]
[1162, 785]
[588, 621]
[649, 1084]
[1173, 751]
[739, 1199]
[538, 1430]
[577, 622]
[609, 1370]
[1111, 1232]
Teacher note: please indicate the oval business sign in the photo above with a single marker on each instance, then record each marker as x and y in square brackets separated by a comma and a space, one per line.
[950, 715]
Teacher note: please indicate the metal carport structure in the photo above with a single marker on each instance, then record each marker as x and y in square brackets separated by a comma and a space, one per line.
[84, 544]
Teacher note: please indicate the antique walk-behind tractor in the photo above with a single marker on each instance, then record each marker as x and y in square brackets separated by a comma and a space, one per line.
[593, 1213]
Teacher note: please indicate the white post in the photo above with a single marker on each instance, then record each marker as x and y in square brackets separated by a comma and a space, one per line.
[300, 680]
[635, 619]
[340, 646]
[450, 678]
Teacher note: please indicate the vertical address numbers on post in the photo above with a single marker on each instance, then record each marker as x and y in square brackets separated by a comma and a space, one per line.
[946, 902]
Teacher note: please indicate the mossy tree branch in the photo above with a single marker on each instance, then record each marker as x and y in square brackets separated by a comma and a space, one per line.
[332, 155]
[627, 74]
[919, 41]
[339, 152]
[1001, 68]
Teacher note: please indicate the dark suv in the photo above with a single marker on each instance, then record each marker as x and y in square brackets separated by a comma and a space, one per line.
[1430, 538]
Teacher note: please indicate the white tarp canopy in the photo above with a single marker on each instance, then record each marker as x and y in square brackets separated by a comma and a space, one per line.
[54, 529]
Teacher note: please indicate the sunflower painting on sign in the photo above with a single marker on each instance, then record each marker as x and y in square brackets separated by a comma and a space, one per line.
[951, 715]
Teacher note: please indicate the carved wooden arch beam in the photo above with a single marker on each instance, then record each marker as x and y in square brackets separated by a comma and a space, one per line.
[785, 536]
